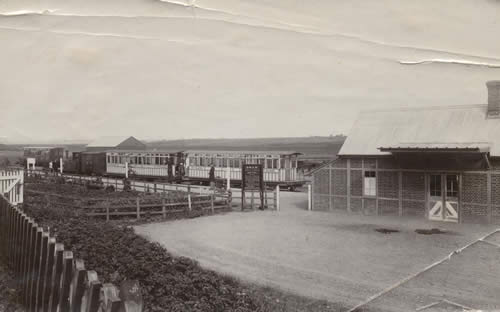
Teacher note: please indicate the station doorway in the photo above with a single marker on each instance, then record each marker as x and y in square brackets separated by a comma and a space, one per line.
[444, 194]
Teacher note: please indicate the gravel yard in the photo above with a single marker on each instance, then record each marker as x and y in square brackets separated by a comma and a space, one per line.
[334, 256]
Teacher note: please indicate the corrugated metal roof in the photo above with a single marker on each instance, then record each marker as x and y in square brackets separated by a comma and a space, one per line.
[479, 146]
[108, 141]
[439, 127]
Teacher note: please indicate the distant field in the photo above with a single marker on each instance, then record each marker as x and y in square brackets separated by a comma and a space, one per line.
[13, 156]
[313, 147]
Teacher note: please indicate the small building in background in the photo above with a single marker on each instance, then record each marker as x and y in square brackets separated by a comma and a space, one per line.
[115, 143]
[439, 163]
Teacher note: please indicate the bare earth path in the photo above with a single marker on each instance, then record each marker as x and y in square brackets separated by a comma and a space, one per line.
[333, 256]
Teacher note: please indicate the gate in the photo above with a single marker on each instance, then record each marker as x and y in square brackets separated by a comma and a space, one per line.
[11, 184]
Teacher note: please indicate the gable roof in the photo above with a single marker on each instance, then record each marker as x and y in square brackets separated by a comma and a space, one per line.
[452, 127]
[111, 141]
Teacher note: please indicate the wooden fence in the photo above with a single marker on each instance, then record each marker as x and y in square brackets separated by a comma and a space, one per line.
[271, 197]
[11, 184]
[48, 277]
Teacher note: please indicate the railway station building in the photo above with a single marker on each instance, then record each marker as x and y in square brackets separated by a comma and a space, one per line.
[115, 143]
[439, 163]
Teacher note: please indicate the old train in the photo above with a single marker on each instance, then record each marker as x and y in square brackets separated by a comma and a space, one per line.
[280, 167]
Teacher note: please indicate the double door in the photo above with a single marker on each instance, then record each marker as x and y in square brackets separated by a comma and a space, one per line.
[443, 191]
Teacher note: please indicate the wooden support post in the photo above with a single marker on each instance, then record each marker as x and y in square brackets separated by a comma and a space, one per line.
[47, 288]
[21, 256]
[488, 190]
[400, 195]
[56, 278]
[43, 272]
[138, 210]
[348, 185]
[309, 197]
[66, 281]
[77, 285]
[163, 208]
[19, 239]
[277, 197]
[212, 203]
[251, 200]
[107, 211]
[189, 197]
[265, 198]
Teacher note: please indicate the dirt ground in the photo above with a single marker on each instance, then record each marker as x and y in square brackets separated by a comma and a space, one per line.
[334, 256]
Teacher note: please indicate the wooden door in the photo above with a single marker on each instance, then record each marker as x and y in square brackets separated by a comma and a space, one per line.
[444, 197]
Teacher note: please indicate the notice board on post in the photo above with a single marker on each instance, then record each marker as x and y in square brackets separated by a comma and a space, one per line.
[252, 180]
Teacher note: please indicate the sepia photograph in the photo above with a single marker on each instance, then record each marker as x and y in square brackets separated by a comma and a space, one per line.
[249, 156]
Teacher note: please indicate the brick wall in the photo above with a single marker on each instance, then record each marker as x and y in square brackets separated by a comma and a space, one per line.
[475, 188]
[413, 186]
[356, 183]
[370, 206]
[388, 184]
[474, 213]
[339, 182]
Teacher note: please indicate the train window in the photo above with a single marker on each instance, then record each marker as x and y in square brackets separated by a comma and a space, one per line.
[275, 163]
[224, 162]
[269, 163]
[237, 163]
[109, 159]
[139, 160]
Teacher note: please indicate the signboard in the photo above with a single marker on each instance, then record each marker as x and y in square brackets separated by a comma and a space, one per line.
[253, 177]
[252, 180]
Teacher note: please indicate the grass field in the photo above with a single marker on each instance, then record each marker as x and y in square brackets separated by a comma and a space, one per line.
[333, 256]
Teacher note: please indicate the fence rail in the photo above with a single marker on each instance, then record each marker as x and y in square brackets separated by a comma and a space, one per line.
[49, 277]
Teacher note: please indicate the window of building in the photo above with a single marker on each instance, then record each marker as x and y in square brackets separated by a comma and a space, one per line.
[435, 185]
[370, 183]
[452, 185]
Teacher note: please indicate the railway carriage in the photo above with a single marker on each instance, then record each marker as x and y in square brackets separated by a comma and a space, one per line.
[153, 164]
[280, 167]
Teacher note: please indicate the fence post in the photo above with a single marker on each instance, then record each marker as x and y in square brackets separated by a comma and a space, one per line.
[35, 263]
[56, 278]
[138, 209]
[27, 254]
[212, 203]
[277, 197]
[94, 290]
[107, 211]
[163, 208]
[66, 281]
[77, 286]
[112, 302]
[47, 288]
[43, 272]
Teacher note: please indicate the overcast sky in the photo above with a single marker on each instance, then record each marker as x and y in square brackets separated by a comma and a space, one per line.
[234, 68]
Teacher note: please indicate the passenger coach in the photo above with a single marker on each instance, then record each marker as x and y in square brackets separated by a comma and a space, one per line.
[280, 167]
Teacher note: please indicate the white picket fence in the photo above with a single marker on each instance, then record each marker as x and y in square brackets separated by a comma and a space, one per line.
[12, 184]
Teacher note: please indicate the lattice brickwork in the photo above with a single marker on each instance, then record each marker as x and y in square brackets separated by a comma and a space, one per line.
[474, 213]
[412, 208]
[369, 163]
[339, 182]
[356, 163]
[321, 182]
[356, 204]
[388, 184]
[495, 189]
[388, 207]
[413, 185]
[340, 203]
[475, 188]
[356, 182]
[370, 206]
[321, 202]
[340, 163]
